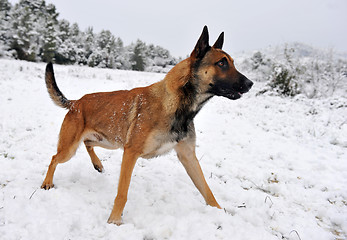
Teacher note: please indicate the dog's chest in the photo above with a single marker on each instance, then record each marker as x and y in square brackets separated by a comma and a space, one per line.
[165, 148]
[158, 145]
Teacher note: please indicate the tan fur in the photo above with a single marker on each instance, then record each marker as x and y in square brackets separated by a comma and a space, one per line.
[139, 121]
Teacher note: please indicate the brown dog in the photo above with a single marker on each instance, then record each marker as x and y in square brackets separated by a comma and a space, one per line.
[148, 121]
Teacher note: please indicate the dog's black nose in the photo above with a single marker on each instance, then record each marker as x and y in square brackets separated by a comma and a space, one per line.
[245, 85]
[248, 84]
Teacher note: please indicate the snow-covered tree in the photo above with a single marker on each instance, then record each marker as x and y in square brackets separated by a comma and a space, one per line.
[23, 32]
[106, 44]
[30, 31]
[296, 68]
[119, 54]
[138, 56]
[65, 53]
[5, 19]
[49, 42]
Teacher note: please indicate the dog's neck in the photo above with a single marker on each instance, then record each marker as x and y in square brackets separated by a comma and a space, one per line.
[178, 76]
[182, 83]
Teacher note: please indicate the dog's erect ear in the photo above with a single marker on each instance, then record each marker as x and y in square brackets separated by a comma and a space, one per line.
[219, 43]
[202, 46]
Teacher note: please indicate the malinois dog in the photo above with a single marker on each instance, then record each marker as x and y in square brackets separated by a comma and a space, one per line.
[148, 121]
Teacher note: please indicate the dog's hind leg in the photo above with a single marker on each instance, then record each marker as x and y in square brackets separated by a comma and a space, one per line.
[69, 140]
[186, 154]
[95, 160]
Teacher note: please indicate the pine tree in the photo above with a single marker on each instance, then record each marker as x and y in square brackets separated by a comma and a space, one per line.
[48, 31]
[64, 52]
[138, 57]
[77, 44]
[22, 26]
[49, 45]
[106, 45]
[5, 19]
[119, 53]
[89, 42]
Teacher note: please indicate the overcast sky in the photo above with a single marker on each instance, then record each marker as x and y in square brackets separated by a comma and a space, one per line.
[248, 24]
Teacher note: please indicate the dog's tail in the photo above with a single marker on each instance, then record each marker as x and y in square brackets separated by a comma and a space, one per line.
[56, 95]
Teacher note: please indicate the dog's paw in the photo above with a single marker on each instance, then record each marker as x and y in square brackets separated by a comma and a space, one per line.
[118, 222]
[47, 186]
[98, 168]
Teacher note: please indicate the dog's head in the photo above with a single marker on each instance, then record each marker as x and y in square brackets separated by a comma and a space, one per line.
[215, 69]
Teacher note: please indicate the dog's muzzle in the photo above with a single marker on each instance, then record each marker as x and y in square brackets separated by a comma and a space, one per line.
[231, 90]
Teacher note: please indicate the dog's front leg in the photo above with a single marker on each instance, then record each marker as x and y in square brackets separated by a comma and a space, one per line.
[128, 163]
[186, 154]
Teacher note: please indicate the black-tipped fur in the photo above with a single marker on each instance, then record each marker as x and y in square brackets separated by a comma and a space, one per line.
[56, 95]
[184, 115]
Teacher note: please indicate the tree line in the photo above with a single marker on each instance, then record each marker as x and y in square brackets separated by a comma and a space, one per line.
[30, 30]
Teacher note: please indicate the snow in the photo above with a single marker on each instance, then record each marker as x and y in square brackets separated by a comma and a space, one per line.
[278, 167]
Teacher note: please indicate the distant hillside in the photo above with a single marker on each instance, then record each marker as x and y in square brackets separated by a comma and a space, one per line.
[297, 68]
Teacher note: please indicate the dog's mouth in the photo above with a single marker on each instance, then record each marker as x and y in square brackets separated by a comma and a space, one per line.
[230, 93]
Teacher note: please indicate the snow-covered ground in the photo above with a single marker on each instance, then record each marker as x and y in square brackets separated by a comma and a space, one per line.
[278, 167]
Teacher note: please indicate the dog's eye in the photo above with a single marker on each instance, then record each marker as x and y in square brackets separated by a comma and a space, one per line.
[223, 64]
